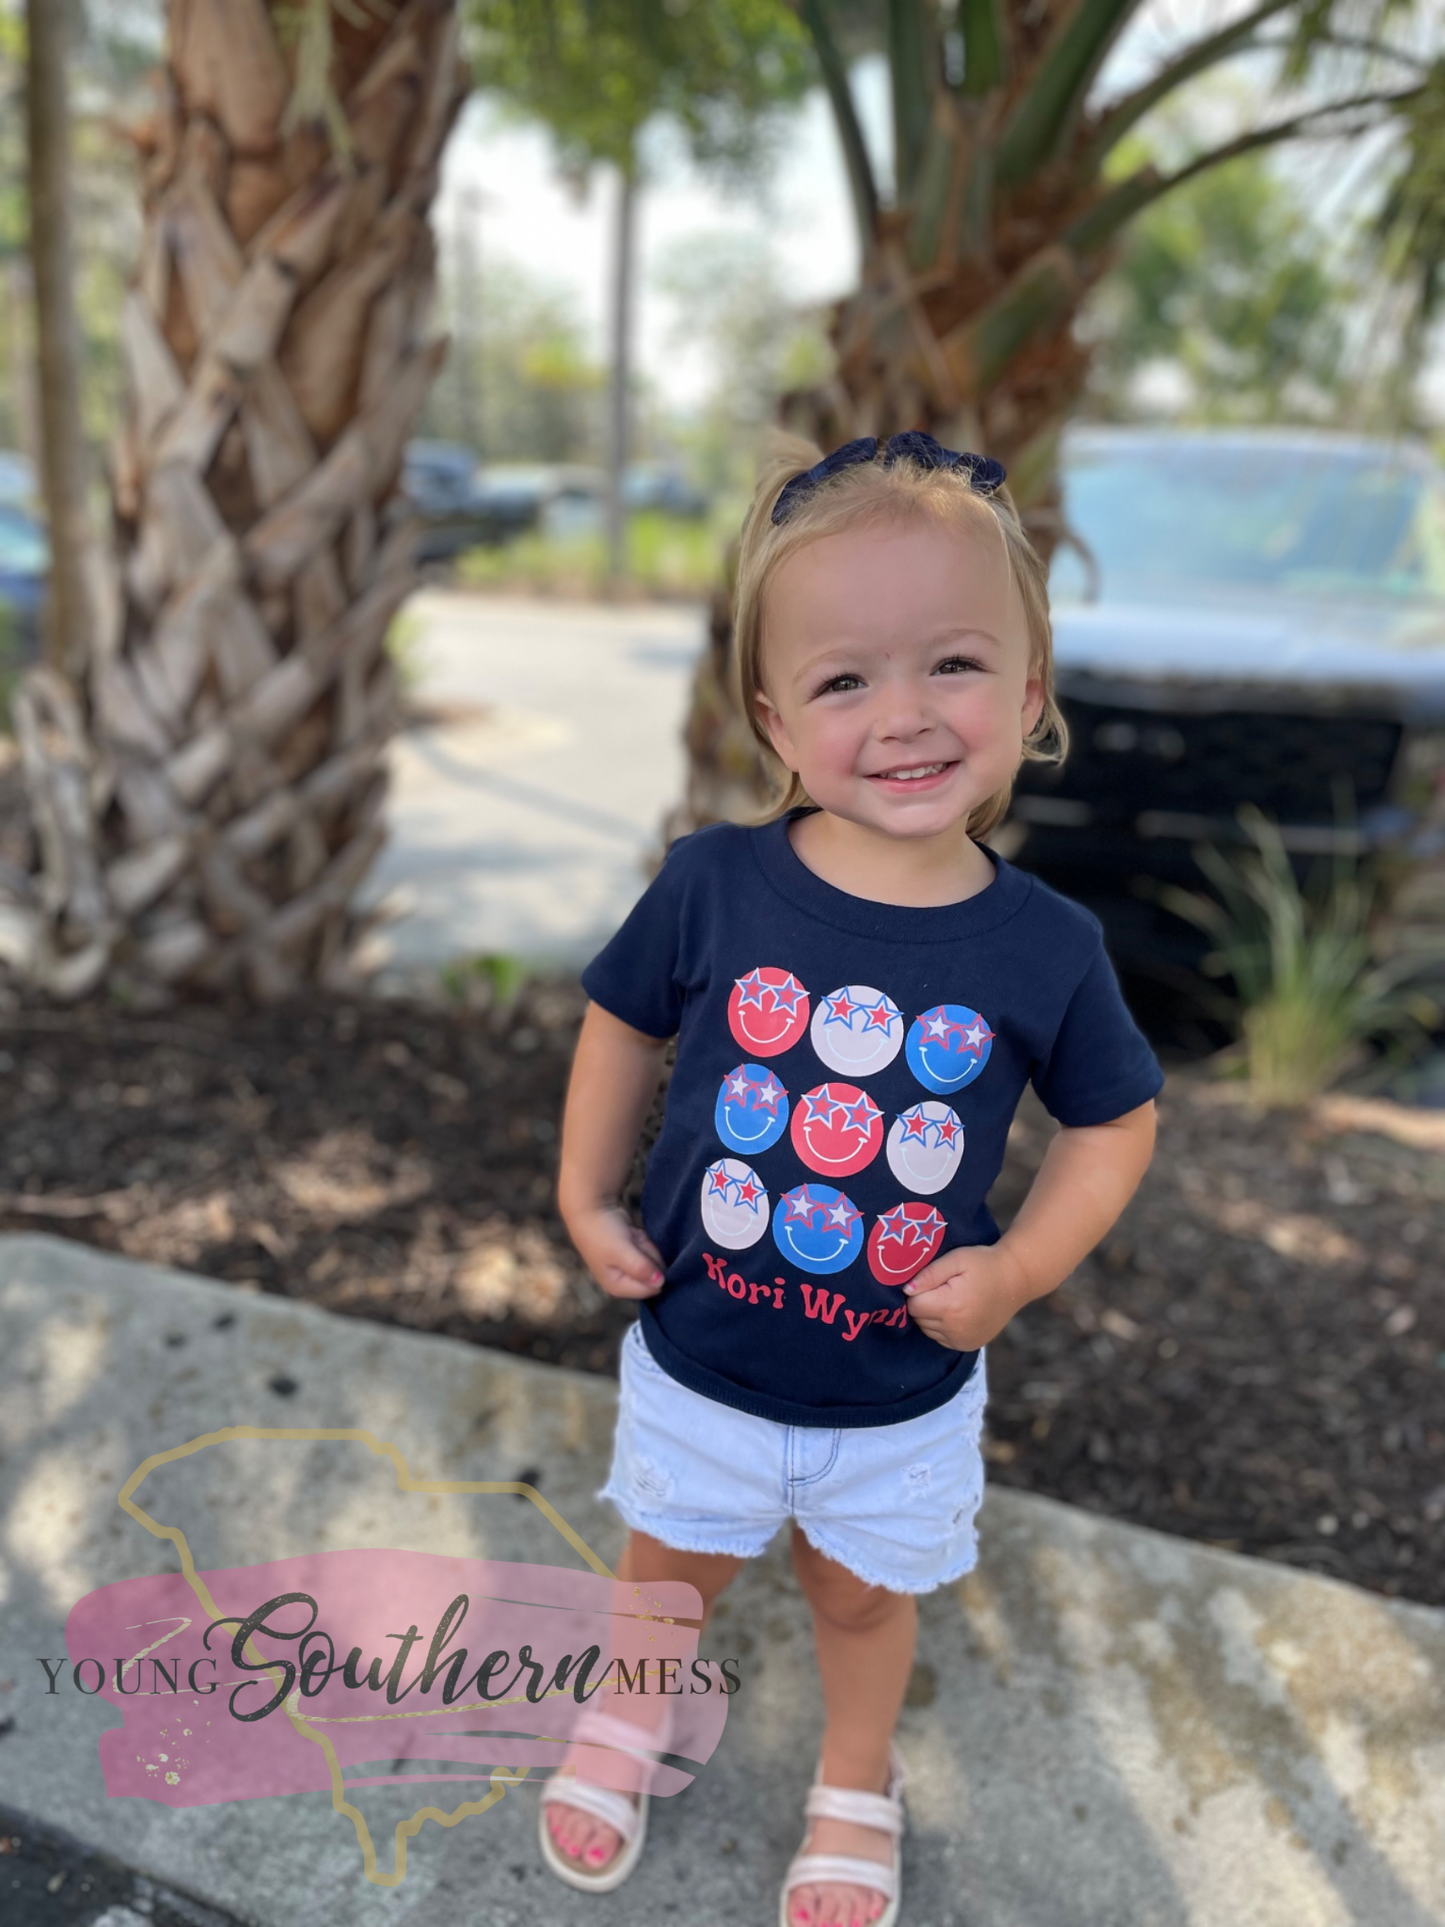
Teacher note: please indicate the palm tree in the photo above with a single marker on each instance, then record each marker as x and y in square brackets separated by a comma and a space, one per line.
[208, 799]
[1008, 208]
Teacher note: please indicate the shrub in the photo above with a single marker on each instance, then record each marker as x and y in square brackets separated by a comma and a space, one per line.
[1309, 991]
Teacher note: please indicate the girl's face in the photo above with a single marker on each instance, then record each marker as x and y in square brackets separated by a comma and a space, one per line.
[896, 671]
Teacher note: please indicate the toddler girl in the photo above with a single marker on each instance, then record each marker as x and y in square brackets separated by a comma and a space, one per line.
[860, 989]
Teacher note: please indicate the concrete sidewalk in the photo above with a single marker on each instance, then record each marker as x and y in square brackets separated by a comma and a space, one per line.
[1106, 1727]
[522, 817]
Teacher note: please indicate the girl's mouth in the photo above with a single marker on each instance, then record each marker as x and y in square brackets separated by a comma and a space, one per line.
[911, 777]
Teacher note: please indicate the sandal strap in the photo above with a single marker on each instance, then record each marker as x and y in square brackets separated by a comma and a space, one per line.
[809, 1869]
[614, 1809]
[607, 1729]
[851, 1803]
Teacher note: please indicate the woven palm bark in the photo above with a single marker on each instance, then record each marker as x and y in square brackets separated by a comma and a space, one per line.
[207, 809]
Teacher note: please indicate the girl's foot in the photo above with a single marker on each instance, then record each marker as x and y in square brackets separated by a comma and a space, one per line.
[834, 1903]
[583, 1837]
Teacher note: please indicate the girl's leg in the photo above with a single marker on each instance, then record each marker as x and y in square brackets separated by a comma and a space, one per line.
[581, 1835]
[865, 1639]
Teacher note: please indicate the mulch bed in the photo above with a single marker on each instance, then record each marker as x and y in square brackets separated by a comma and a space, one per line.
[1255, 1357]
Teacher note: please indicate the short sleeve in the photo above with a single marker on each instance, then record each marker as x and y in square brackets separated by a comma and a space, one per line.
[635, 976]
[1100, 1064]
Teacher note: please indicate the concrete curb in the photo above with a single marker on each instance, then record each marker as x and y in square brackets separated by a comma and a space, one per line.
[1105, 1724]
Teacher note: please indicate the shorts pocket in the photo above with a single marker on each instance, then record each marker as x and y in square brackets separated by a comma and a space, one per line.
[637, 1347]
[939, 1483]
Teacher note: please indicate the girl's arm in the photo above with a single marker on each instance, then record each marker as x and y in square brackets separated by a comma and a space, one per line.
[615, 1075]
[1089, 1173]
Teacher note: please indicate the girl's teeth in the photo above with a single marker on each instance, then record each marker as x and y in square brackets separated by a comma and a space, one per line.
[908, 775]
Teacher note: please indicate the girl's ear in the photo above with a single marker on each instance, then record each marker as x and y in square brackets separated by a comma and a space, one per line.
[772, 722]
[1034, 699]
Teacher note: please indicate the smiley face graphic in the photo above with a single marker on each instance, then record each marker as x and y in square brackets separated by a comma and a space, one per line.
[925, 1144]
[902, 1241]
[948, 1046]
[767, 1010]
[857, 1029]
[734, 1204]
[837, 1129]
[818, 1228]
[751, 1112]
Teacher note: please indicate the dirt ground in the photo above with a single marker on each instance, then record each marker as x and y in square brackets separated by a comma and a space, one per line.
[1256, 1356]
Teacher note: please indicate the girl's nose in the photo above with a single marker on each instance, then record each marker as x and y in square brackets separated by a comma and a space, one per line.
[902, 711]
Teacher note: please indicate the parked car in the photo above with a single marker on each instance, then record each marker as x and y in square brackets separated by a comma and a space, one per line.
[1260, 616]
[653, 485]
[456, 511]
[561, 499]
[19, 484]
[568, 499]
[24, 574]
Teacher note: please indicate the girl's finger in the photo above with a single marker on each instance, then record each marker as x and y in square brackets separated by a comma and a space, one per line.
[933, 1275]
[650, 1265]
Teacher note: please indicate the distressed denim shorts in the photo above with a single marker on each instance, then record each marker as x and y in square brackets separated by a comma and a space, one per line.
[895, 1504]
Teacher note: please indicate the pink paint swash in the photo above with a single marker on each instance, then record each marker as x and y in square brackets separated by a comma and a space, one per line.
[497, 1661]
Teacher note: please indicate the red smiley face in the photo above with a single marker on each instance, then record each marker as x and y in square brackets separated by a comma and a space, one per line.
[836, 1129]
[767, 1011]
[902, 1242]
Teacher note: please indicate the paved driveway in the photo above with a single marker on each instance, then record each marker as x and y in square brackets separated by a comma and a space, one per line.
[521, 816]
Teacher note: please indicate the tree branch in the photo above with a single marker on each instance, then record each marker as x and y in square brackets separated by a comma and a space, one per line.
[985, 46]
[1103, 221]
[1044, 120]
[861, 183]
[1358, 44]
[912, 38]
[1206, 53]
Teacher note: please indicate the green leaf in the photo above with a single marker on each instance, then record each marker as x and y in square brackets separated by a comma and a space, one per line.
[913, 61]
[861, 184]
[985, 46]
[1042, 123]
[1195, 60]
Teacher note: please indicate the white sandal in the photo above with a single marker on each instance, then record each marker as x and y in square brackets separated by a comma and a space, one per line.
[881, 1810]
[624, 1814]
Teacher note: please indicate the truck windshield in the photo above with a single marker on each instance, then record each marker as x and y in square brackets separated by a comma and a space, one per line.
[1166, 519]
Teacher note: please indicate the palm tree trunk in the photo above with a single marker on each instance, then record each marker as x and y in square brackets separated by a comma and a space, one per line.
[617, 442]
[62, 443]
[279, 347]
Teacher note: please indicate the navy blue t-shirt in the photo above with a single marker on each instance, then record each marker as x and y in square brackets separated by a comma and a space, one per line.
[845, 1079]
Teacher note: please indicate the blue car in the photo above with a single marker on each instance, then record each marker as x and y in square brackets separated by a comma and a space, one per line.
[24, 572]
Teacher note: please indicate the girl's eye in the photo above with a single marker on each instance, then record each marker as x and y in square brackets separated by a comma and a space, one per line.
[960, 662]
[839, 682]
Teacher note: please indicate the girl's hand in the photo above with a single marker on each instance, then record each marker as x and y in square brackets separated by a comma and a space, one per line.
[624, 1260]
[964, 1298]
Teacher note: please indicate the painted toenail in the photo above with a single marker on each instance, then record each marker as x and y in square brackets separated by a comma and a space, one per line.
[595, 1854]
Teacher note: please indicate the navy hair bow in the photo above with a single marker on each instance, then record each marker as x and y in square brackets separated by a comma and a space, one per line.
[984, 474]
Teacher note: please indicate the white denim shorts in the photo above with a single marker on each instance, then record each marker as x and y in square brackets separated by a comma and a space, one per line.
[895, 1504]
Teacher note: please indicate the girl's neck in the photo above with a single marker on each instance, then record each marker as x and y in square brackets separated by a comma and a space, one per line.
[919, 872]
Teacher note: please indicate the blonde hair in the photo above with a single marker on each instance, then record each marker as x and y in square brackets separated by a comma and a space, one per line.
[867, 493]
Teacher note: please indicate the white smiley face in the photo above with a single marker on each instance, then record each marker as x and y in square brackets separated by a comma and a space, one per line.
[925, 1144]
[857, 1028]
[734, 1204]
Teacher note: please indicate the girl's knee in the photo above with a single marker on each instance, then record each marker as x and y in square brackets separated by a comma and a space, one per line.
[837, 1593]
[652, 1559]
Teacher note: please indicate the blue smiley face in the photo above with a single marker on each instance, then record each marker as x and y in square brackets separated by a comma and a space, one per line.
[818, 1228]
[948, 1046]
[752, 1109]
